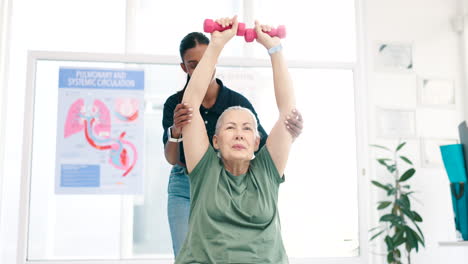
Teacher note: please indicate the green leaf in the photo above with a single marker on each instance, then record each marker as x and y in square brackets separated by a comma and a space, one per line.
[383, 205]
[417, 217]
[390, 258]
[415, 234]
[407, 212]
[381, 147]
[405, 201]
[383, 161]
[387, 218]
[390, 167]
[411, 239]
[398, 238]
[376, 235]
[394, 219]
[389, 242]
[374, 228]
[380, 185]
[400, 146]
[418, 240]
[408, 174]
[421, 235]
[406, 160]
[391, 191]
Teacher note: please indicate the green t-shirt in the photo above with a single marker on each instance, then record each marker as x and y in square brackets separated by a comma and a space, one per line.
[234, 219]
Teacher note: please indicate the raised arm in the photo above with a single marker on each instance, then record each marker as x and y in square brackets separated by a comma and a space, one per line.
[195, 137]
[279, 141]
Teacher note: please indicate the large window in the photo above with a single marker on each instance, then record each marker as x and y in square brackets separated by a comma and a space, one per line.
[158, 26]
[321, 31]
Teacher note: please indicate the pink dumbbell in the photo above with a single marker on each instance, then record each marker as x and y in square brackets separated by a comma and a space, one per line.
[209, 26]
[279, 32]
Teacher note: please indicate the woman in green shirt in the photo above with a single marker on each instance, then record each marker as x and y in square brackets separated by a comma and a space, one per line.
[233, 215]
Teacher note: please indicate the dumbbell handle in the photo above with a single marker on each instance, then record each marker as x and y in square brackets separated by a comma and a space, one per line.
[209, 26]
[251, 34]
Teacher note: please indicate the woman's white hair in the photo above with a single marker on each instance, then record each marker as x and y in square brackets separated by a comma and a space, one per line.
[219, 122]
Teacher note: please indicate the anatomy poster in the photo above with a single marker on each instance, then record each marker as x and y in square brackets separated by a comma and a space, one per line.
[100, 131]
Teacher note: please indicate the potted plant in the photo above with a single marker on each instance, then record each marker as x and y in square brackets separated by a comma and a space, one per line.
[399, 222]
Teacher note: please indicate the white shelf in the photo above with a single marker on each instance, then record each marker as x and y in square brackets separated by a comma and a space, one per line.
[453, 243]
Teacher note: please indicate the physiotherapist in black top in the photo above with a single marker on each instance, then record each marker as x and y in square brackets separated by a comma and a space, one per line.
[175, 115]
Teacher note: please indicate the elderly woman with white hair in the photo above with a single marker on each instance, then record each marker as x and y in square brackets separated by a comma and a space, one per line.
[234, 212]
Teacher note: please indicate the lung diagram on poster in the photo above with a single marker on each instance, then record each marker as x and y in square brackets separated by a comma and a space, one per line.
[100, 131]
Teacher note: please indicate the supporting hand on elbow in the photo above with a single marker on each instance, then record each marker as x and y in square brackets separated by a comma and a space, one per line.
[182, 116]
[294, 123]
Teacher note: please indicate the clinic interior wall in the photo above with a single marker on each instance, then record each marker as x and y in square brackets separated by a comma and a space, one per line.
[32, 32]
[436, 51]
[423, 23]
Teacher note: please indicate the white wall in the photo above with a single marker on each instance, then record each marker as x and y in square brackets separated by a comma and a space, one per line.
[426, 24]
[5, 6]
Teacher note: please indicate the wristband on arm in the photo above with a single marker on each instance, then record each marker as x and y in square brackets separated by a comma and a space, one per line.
[171, 139]
[275, 49]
